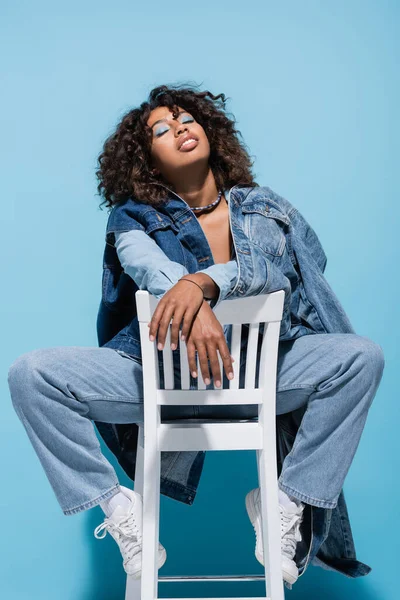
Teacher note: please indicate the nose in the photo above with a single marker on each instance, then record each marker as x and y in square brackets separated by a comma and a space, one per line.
[181, 128]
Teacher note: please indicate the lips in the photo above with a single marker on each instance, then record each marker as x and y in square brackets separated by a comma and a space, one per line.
[190, 145]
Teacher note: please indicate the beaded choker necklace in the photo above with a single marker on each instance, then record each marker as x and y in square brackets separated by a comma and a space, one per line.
[208, 205]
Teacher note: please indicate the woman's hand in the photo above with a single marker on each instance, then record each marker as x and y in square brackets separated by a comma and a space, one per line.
[207, 336]
[182, 301]
[185, 301]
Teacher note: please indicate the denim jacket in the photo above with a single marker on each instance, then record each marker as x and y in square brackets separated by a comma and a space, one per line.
[275, 248]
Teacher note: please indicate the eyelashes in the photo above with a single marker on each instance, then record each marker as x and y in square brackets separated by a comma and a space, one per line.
[160, 133]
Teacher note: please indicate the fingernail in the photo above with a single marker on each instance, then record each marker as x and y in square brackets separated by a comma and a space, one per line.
[160, 346]
[230, 375]
[194, 373]
[173, 346]
[218, 383]
[207, 381]
[182, 338]
[151, 338]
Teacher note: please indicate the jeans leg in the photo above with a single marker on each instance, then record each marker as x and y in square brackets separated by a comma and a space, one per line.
[56, 392]
[337, 376]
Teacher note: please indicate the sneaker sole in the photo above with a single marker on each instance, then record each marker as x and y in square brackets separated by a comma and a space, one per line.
[162, 557]
[287, 564]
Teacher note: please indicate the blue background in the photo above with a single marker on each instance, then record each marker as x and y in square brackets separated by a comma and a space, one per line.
[315, 90]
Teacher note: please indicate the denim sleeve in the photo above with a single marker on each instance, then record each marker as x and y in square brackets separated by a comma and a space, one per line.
[151, 269]
[309, 237]
[144, 261]
[225, 276]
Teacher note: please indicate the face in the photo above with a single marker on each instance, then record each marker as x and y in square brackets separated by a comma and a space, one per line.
[168, 157]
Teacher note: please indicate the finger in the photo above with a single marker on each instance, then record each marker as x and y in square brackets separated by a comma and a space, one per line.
[191, 352]
[176, 321]
[187, 323]
[214, 362]
[203, 361]
[155, 320]
[227, 359]
[163, 325]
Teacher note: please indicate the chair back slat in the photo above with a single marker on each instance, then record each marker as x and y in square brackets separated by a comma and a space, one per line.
[168, 361]
[251, 357]
[185, 374]
[235, 352]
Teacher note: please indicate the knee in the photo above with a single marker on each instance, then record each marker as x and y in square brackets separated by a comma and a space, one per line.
[371, 354]
[22, 375]
[18, 370]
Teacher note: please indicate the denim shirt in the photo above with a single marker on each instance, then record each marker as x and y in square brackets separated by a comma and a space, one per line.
[275, 248]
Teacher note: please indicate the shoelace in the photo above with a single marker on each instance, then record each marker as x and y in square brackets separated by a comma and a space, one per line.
[127, 534]
[289, 538]
[290, 532]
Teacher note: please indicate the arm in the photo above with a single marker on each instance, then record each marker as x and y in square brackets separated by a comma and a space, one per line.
[225, 276]
[309, 237]
[151, 269]
[144, 261]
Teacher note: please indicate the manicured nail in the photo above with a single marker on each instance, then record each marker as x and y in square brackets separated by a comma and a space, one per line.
[218, 383]
[151, 338]
[207, 381]
[160, 346]
[194, 373]
[173, 346]
[230, 375]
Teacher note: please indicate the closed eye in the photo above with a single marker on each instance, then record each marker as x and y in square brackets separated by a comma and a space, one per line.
[160, 132]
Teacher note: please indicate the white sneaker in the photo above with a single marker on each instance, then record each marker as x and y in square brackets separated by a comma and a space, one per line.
[126, 529]
[291, 518]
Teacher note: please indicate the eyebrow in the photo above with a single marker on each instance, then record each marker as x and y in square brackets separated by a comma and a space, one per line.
[165, 118]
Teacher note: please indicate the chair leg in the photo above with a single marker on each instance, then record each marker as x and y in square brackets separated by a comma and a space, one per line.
[151, 516]
[268, 481]
[138, 487]
[133, 586]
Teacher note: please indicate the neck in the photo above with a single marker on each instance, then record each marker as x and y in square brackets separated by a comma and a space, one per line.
[198, 192]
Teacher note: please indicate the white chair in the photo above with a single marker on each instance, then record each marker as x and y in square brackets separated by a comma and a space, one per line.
[157, 436]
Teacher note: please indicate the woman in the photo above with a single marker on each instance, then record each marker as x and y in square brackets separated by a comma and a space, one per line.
[174, 172]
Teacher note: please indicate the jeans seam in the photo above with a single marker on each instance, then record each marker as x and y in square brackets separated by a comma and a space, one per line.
[289, 457]
[173, 462]
[132, 399]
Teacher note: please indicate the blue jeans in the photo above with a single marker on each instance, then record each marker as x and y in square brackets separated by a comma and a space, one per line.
[58, 391]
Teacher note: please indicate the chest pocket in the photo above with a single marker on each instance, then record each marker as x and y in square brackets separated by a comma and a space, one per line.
[265, 226]
[156, 222]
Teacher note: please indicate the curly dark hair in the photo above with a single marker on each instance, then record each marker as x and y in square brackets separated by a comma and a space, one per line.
[124, 165]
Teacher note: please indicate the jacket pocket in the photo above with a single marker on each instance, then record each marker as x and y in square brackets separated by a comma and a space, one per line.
[264, 228]
[157, 222]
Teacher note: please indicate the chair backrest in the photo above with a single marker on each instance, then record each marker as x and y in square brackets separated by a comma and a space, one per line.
[264, 309]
